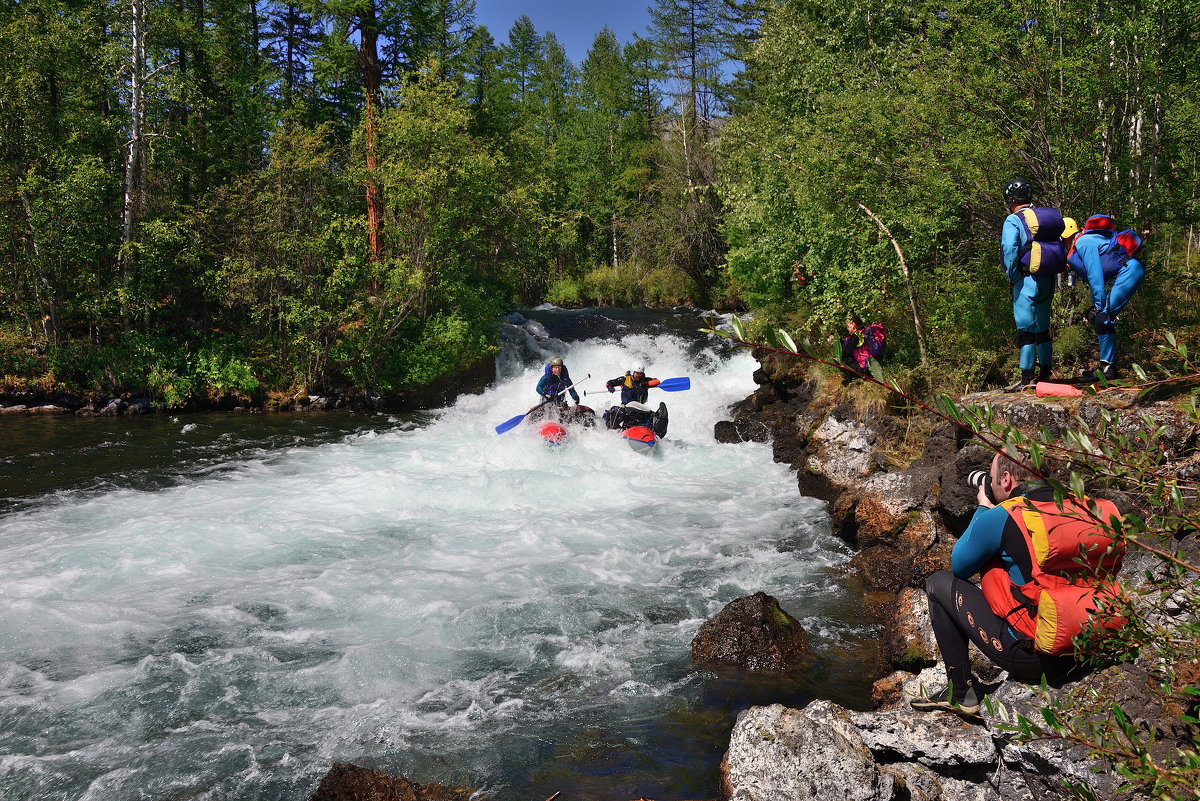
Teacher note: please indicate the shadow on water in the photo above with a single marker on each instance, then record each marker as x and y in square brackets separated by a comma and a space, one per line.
[40, 455]
[674, 751]
[676, 754]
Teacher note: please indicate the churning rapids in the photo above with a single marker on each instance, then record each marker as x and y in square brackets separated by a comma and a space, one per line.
[221, 606]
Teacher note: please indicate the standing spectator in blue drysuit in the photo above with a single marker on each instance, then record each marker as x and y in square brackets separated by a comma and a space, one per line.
[555, 382]
[1100, 257]
[1032, 291]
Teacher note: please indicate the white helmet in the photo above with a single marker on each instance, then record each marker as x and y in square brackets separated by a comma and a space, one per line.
[639, 367]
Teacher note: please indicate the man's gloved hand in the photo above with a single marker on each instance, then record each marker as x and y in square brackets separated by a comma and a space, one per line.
[612, 389]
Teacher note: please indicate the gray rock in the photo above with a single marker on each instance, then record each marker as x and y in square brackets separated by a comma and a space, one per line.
[911, 639]
[843, 450]
[138, 406]
[114, 407]
[781, 754]
[933, 739]
[47, 408]
[916, 782]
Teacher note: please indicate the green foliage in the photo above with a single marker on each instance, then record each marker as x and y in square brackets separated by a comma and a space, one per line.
[919, 114]
[667, 286]
[565, 292]
[506, 173]
[615, 285]
[17, 357]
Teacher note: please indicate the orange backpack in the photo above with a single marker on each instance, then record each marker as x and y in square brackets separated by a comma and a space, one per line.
[1074, 564]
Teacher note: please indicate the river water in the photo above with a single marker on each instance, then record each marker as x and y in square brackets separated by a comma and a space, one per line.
[221, 606]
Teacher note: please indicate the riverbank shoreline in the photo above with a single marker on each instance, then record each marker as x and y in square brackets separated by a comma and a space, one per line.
[902, 523]
[91, 403]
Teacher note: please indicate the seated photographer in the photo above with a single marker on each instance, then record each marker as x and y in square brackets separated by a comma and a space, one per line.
[1000, 615]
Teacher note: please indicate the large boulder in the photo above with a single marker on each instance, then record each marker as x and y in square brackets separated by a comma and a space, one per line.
[842, 448]
[752, 633]
[781, 754]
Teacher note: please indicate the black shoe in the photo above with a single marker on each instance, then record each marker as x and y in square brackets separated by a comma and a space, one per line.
[1044, 373]
[1026, 380]
[1106, 369]
[659, 421]
[968, 705]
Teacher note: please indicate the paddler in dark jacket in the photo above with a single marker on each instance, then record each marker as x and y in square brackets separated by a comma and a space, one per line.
[634, 384]
[555, 381]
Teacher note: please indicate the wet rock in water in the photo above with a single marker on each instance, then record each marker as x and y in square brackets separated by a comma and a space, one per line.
[730, 431]
[345, 782]
[752, 633]
[47, 408]
[138, 406]
[318, 403]
[115, 407]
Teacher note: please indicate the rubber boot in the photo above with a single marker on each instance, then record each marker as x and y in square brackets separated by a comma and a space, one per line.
[1044, 372]
[1025, 381]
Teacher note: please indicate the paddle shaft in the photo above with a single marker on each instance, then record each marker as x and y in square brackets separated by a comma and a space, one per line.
[512, 422]
[669, 385]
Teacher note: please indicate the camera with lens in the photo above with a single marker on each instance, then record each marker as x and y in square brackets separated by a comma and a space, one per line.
[981, 478]
[977, 478]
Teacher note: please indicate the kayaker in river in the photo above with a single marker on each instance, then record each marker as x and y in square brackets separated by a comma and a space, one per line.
[634, 384]
[635, 389]
[555, 382]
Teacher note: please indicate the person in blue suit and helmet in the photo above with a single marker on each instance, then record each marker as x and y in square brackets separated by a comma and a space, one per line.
[555, 382]
[1031, 253]
[1106, 260]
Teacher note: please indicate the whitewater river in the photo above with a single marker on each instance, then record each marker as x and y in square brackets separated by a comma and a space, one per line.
[221, 606]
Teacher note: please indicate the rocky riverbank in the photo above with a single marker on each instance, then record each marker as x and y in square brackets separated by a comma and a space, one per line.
[94, 403]
[904, 522]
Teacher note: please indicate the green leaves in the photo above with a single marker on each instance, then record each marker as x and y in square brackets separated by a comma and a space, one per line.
[736, 324]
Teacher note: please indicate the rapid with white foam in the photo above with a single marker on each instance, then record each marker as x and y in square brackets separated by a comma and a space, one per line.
[433, 600]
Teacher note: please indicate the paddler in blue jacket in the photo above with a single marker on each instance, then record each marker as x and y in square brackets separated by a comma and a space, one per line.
[555, 382]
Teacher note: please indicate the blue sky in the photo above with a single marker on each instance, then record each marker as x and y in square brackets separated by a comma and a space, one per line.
[575, 23]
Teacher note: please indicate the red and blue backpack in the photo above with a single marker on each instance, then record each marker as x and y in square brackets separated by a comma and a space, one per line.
[1117, 249]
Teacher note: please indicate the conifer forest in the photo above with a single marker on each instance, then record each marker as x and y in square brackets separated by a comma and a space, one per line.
[205, 197]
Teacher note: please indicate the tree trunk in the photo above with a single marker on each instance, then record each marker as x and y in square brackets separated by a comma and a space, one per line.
[368, 63]
[49, 331]
[912, 300]
[135, 156]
